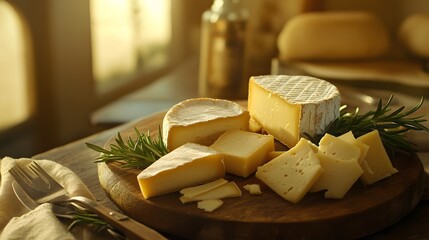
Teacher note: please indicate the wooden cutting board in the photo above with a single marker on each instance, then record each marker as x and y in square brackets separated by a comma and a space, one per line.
[363, 211]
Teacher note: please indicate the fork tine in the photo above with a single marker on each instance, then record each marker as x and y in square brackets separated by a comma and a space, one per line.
[40, 171]
[19, 179]
[19, 170]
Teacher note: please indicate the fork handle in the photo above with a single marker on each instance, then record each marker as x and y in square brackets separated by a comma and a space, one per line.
[131, 228]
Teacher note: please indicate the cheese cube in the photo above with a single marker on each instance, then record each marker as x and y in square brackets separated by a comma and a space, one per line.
[210, 205]
[338, 176]
[227, 190]
[293, 173]
[379, 165]
[243, 152]
[188, 165]
[202, 121]
[350, 138]
[338, 148]
[289, 106]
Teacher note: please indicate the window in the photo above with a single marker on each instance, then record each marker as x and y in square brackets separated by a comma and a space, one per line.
[127, 37]
[14, 97]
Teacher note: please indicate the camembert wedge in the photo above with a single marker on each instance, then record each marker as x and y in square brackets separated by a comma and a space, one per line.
[188, 165]
[202, 121]
[289, 106]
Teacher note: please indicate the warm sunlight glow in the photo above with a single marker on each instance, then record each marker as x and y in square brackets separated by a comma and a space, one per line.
[14, 105]
[128, 35]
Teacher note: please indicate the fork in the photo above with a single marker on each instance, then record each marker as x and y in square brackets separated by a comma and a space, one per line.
[41, 187]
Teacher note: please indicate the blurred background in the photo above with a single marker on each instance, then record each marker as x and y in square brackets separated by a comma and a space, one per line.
[69, 69]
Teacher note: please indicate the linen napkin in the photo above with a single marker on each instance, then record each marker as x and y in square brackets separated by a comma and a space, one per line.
[17, 222]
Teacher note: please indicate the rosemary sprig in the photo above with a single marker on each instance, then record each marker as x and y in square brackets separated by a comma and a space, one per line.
[392, 125]
[139, 152]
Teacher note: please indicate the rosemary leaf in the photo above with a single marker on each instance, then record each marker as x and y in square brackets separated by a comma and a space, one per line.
[138, 152]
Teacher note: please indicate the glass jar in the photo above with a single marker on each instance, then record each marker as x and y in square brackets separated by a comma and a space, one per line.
[222, 53]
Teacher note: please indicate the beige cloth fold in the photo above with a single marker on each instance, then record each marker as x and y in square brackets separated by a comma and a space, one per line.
[17, 222]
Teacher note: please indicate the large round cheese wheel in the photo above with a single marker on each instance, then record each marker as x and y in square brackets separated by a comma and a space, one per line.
[414, 34]
[333, 35]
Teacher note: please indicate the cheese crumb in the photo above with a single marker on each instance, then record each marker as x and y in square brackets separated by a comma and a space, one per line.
[253, 189]
[210, 205]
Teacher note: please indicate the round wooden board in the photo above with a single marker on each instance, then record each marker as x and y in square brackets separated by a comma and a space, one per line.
[363, 211]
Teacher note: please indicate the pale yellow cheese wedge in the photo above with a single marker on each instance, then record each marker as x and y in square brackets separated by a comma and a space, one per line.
[350, 138]
[210, 205]
[338, 148]
[188, 165]
[254, 189]
[338, 176]
[243, 151]
[379, 165]
[191, 192]
[293, 173]
[224, 191]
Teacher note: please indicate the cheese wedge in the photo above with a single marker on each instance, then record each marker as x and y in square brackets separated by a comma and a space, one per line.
[289, 106]
[188, 165]
[293, 173]
[338, 148]
[379, 165]
[202, 121]
[227, 190]
[338, 176]
[243, 152]
[210, 205]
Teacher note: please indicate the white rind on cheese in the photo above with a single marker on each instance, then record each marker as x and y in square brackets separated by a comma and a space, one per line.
[289, 106]
[202, 121]
[188, 165]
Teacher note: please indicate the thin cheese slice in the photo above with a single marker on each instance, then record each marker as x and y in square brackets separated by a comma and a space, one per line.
[224, 191]
[202, 121]
[338, 148]
[350, 138]
[338, 176]
[210, 205]
[197, 190]
[289, 106]
[379, 165]
[188, 165]
[293, 173]
[243, 152]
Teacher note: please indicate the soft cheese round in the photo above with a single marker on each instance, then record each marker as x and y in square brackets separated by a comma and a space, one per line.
[202, 120]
